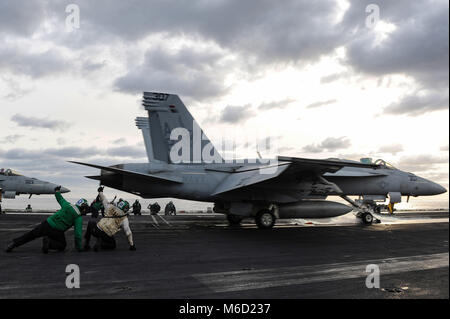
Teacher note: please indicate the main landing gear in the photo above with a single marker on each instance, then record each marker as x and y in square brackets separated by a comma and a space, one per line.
[265, 219]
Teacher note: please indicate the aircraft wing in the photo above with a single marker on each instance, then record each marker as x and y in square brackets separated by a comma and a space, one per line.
[249, 177]
[354, 173]
[322, 166]
[150, 177]
[288, 168]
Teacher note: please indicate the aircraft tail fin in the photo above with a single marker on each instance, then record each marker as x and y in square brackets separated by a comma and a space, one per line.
[143, 125]
[167, 112]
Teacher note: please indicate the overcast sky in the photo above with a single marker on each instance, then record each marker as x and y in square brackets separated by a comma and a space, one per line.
[316, 74]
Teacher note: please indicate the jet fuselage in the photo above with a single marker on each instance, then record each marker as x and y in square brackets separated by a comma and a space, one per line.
[12, 185]
[198, 182]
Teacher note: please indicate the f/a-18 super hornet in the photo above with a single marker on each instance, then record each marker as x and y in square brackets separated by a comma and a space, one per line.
[184, 164]
[13, 184]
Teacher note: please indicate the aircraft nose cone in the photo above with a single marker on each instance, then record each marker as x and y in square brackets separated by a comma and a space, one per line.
[64, 190]
[438, 189]
[51, 188]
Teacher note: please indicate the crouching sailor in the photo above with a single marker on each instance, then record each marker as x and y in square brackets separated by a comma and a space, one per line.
[52, 230]
[116, 217]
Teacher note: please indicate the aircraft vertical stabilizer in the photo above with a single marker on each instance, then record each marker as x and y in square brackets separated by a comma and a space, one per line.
[167, 112]
[143, 125]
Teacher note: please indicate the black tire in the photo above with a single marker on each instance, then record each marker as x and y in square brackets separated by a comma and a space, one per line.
[234, 220]
[367, 218]
[265, 219]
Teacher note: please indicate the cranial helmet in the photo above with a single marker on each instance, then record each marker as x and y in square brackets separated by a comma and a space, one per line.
[123, 205]
[83, 205]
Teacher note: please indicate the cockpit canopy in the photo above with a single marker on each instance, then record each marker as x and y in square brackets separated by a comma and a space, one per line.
[8, 172]
[381, 162]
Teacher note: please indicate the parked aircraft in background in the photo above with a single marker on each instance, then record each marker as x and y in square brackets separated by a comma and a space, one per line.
[13, 184]
[290, 188]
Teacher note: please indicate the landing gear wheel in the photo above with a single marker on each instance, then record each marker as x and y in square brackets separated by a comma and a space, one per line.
[367, 218]
[234, 220]
[265, 219]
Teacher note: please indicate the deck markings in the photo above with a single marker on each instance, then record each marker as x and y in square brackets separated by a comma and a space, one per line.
[287, 276]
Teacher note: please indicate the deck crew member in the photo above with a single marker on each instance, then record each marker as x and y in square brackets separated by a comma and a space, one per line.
[53, 228]
[116, 218]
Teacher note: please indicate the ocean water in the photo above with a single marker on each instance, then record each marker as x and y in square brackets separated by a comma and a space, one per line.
[48, 203]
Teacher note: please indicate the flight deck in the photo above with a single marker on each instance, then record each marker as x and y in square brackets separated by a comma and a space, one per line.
[200, 256]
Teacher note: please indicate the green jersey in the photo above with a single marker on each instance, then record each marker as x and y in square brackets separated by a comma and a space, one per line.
[69, 215]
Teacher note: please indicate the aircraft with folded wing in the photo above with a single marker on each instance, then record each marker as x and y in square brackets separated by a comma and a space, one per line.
[288, 187]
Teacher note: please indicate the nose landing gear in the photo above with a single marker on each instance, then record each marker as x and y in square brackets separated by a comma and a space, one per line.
[364, 212]
[367, 218]
[391, 208]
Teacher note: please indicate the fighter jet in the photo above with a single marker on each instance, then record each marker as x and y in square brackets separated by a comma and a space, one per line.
[184, 164]
[13, 184]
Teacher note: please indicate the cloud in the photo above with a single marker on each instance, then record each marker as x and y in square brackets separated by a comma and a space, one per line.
[121, 140]
[330, 144]
[264, 29]
[391, 149]
[260, 32]
[187, 71]
[74, 152]
[417, 47]
[63, 152]
[51, 163]
[286, 149]
[256, 34]
[275, 104]
[268, 32]
[50, 167]
[418, 104]
[420, 163]
[202, 49]
[34, 122]
[437, 177]
[90, 66]
[353, 156]
[321, 103]
[14, 88]
[21, 61]
[333, 77]
[11, 138]
[21, 17]
[127, 151]
[236, 114]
